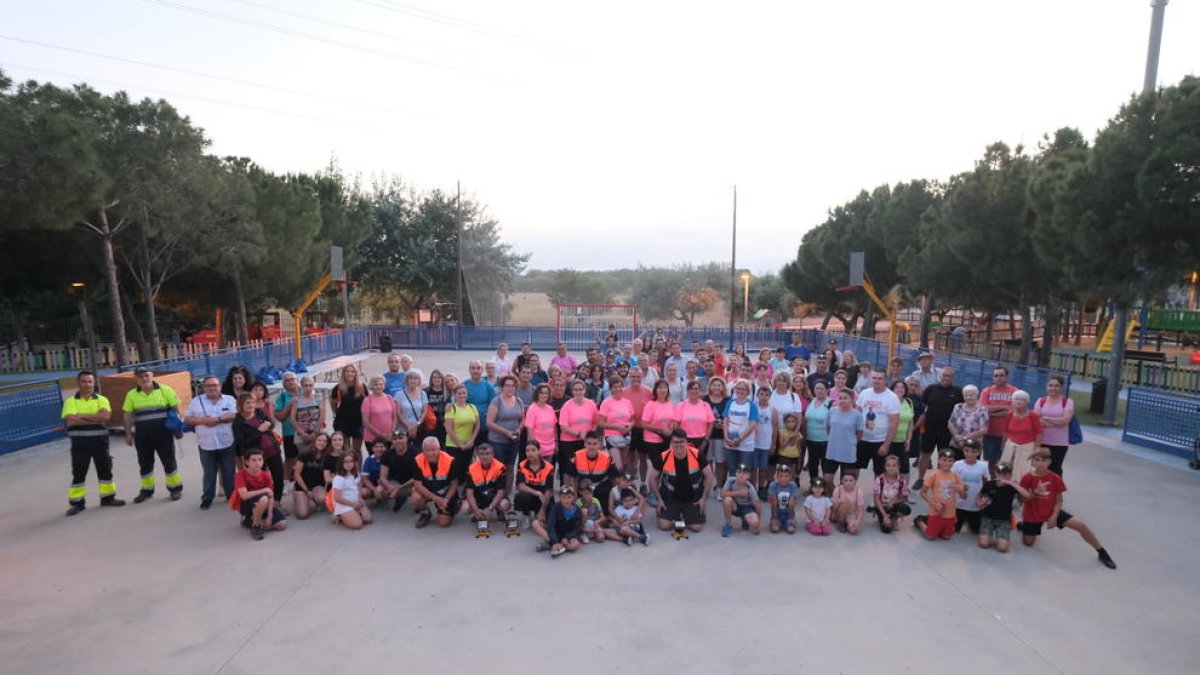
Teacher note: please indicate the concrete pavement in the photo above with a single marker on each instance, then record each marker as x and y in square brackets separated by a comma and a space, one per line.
[164, 587]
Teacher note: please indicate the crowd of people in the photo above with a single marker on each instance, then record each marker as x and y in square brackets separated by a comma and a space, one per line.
[628, 438]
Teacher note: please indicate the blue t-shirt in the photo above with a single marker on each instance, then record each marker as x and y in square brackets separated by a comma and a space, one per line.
[480, 395]
[370, 468]
[816, 421]
[843, 439]
[393, 383]
[282, 401]
[796, 351]
[739, 416]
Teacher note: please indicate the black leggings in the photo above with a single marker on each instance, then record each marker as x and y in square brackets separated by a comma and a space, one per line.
[894, 450]
[275, 466]
[973, 520]
[816, 453]
[894, 511]
[1058, 454]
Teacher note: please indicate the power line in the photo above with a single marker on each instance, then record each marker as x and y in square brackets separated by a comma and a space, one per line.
[221, 78]
[461, 24]
[176, 94]
[305, 35]
[357, 29]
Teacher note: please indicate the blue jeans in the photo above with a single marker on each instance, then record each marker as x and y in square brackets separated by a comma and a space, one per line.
[210, 462]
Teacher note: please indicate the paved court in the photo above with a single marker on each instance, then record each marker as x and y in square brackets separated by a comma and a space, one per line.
[162, 587]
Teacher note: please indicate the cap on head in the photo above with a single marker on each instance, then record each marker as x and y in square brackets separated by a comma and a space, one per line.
[585, 485]
[742, 468]
[566, 490]
[141, 369]
[818, 482]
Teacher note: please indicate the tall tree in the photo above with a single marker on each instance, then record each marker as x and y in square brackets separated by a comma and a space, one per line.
[573, 286]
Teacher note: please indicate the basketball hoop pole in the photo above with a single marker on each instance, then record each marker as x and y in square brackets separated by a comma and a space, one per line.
[887, 311]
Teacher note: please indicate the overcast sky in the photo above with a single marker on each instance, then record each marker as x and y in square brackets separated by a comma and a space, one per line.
[603, 135]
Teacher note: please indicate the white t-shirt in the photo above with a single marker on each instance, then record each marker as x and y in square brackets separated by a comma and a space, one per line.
[739, 416]
[973, 476]
[818, 505]
[349, 488]
[624, 513]
[786, 403]
[764, 433]
[882, 405]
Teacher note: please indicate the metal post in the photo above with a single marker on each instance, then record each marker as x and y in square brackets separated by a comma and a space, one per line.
[458, 277]
[733, 271]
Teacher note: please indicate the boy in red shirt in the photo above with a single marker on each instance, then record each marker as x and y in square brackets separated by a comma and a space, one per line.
[1044, 505]
[941, 491]
[254, 496]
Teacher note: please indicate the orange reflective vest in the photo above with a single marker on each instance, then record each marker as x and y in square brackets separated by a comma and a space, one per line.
[540, 479]
[436, 479]
[694, 471]
[485, 479]
[596, 469]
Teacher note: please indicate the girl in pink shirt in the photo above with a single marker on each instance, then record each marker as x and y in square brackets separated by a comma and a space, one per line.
[616, 418]
[540, 420]
[577, 417]
[658, 419]
[695, 417]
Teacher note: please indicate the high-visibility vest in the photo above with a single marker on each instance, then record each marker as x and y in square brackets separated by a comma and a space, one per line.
[693, 469]
[484, 480]
[150, 410]
[540, 479]
[436, 479]
[77, 405]
[596, 469]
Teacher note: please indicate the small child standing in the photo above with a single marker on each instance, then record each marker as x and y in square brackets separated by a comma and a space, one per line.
[254, 496]
[891, 495]
[790, 441]
[348, 506]
[973, 474]
[764, 439]
[1044, 505]
[848, 505]
[941, 491]
[592, 513]
[817, 507]
[782, 494]
[626, 519]
[996, 499]
[740, 499]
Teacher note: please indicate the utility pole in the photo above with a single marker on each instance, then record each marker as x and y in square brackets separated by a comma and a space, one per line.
[733, 272]
[1117, 365]
[458, 277]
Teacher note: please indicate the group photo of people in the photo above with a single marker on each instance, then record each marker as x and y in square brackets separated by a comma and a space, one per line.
[623, 440]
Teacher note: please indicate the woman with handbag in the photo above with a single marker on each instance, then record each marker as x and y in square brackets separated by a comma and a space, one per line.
[379, 411]
[438, 394]
[413, 404]
[1057, 411]
[254, 428]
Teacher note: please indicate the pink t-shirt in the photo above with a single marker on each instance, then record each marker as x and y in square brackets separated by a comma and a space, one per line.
[566, 363]
[996, 396]
[1054, 435]
[580, 418]
[540, 421]
[616, 412]
[659, 415]
[381, 412]
[694, 418]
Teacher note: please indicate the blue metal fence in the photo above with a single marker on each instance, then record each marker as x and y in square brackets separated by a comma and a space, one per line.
[30, 413]
[277, 354]
[1167, 422]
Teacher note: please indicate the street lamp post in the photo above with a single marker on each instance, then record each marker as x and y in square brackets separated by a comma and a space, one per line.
[79, 290]
[745, 298]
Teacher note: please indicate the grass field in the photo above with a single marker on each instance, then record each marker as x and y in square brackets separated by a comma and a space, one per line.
[534, 309]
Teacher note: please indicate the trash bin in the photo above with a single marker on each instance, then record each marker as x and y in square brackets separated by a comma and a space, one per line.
[1099, 391]
[385, 343]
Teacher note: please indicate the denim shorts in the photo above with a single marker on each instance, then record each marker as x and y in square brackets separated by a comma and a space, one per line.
[762, 458]
[996, 529]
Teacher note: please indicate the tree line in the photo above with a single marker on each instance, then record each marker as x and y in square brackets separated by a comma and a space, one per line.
[1115, 220]
[122, 195]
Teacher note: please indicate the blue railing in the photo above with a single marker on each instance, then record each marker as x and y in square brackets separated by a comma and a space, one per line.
[1167, 422]
[267, 354]
[30, 413]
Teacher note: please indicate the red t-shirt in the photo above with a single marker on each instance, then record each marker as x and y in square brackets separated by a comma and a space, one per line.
[1024, 430]
[996, 396]
[1045, 490]
[244, 479]
[638, 397]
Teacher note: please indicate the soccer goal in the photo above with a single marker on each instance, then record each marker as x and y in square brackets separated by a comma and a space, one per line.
[583, 326]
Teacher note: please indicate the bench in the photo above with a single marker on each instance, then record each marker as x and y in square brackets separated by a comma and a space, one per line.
[1143, 355]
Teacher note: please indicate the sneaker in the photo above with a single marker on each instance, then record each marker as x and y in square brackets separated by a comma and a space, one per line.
[652, 500]
[791, 529]
[525, 522]
[644, 538]
[206, 505]
[256, 532]
[246, 521]
[400, 502]
[76, 509]
[841, 527]
[871, 509]
[558, 552]
[919, 522]
[423, 519]
[176, 495]
[726, 530]
[1105, 559]
[112, 501]
[628, 541]
[583, 538]
[745, 525]
[542, 547]
[142, 496]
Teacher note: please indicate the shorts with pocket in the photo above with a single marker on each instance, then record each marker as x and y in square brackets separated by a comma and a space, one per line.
[742, 510]
[995, 529]
[716, 450]
[866, 451]
[831, 466]
[761, 458]
[739, 458]
[689, 513]
[940, 526]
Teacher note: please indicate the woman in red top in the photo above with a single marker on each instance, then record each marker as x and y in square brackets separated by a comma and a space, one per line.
[1023, 436]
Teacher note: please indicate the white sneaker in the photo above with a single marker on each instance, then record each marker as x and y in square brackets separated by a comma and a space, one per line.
[583, 538]
[525, 523]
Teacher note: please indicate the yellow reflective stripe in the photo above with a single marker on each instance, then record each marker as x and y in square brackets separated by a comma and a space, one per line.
[107, 487]
[148, 482]
[76, 493]
[173, 480]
